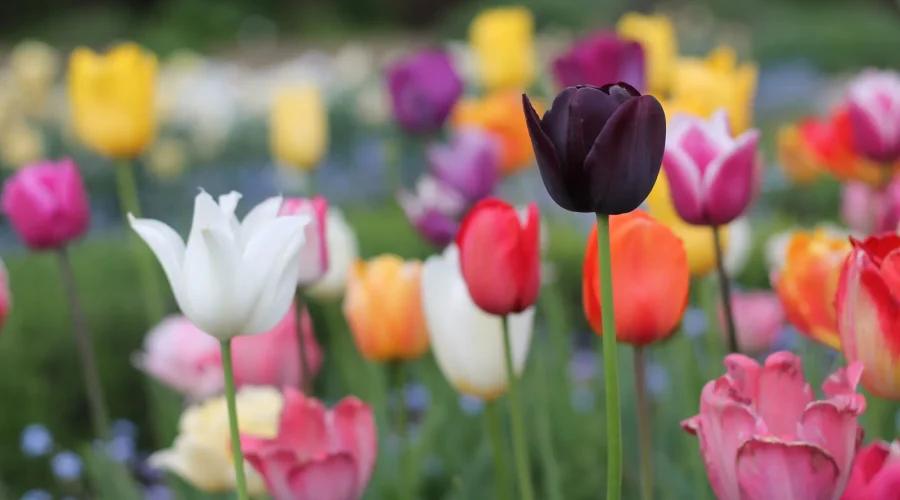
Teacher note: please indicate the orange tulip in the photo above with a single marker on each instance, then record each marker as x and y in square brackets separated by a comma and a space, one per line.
[808, 282]
[383, 307]
[797, 160]
[500, 114]
[650, 279]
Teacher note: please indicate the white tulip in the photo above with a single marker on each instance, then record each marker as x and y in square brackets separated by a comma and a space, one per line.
[467, 342]
[231, 278]
[343, 250]
[740, 243]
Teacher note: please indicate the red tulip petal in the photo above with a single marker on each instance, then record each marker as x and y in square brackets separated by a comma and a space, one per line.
[769, 469]
[885, 485]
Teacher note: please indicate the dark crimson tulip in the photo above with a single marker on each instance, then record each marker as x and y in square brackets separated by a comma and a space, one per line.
[598, 149]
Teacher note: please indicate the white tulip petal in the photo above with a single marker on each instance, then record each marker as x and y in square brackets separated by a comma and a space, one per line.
[258, 217]
[211, 265]
[227, 204]
[169, 249]
[208, 215]
[343, 250]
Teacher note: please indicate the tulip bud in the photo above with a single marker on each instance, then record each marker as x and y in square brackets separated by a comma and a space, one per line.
[600, 59]
[874, 104]
[433, 209]
[758, 317]
[298, 126]
[314, 254]
[502, 40]
[424, 88]
[470, 164]
[599, 149]
[343, 251]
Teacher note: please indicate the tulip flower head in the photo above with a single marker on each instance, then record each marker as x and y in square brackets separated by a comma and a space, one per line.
[498, 115]
[298, 126]
[795, 157]
[763, 435]
[343, 251]
[874, 103]
[434, 210]
[758, 317]
[318, 453]
[598, 149]
[712, 176]
[867, 210]
[47, 204]
[602, 58]
[470, 164]
[424, 88]
[314, 253]
[876, 472]
[502, 40]
[230, 278]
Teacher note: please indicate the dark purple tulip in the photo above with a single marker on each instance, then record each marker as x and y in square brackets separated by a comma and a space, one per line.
[600, 59]
[424, 88]
[470, 164]
[434, 209]
[598, 149]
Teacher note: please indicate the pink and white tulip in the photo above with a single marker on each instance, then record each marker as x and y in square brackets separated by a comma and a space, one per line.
[874, 103]
[314, 254]
[758, 317]
[868, 210]
[876, 473]
[712, 175]
[763, 435]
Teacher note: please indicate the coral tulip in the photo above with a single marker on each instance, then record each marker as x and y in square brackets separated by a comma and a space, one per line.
[470, 164]
[47, 204]
[600, 59]
[598, 149]
[656, 35]
[424, 87]
[343, 251]
[497, 114]
[502, 40]
[758, 317]
[383, 307]
[873, 100]
[876, 473]
[314, 253]
[867, 210]
[650, 279]
[763, 435]
[796, 159]
[434, 210]
[298, 127]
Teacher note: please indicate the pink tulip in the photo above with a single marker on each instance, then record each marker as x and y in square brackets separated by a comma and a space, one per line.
[874, 103]
[712, 176]
[318, 454]
[759, 318]
[876, 473]
[5, 295]
[314, 255]
[869, 210]
[47, 204]
[763, 435]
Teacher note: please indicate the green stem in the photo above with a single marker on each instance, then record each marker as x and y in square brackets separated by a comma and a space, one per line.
[305, 378]
[495, 432]
[401, 417]
[130, 203]
[237, 454]
[517, 419]
[552, 485]
[610, 364]
[725, 288]
[85, 346]
[644, 427]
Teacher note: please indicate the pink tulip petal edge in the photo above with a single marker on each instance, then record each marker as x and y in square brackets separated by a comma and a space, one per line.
[763, 435]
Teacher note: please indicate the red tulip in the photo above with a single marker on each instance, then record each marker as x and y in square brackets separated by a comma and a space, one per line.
[500, 256]
[876, 473]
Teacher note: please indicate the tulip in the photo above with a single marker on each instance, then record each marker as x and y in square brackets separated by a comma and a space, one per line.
[318, 453]
[434, 210]
[503, 42]
[600, 59]
[764, 436]
[808, 282]
[298, 125]
[876, 472]
[650, 279]
[343, 251]
[5, 294]
[759, 317]
[383, 307]
[712, 176]
[874, 103]
[21, 143]
[497, 114]
[47, 204]
[34, 66]
[230, 279]
[314, 254]
[469, 164]
[424, 88]
[796, 158]
[456, 325]
[112, 99]
[868, 210]
[598, 149]
[867, 312]
[656, 35]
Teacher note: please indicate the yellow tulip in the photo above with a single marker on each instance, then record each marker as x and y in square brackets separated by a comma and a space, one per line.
[20, 144]
[656, 35]
[299, 127]
[112, 99]
[34, 67]
[502, 40]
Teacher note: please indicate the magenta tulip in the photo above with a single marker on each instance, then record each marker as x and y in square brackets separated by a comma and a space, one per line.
[434, 209]
[424, 87]
[600, 59]
[470, 164]
[758, 317]
[874, 103]
[876, 473]
[314, 254]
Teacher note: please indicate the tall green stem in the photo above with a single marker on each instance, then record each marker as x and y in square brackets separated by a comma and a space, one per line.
[517, 418]
[495, 432]
[725, 288]
[305, 377]
[130, 203]
[644, 428]
[610, 364]
[401, 417]
[237, 454]
[552, 485]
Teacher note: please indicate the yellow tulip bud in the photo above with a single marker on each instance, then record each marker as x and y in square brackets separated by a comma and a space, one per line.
[299, 127]
[503, 42]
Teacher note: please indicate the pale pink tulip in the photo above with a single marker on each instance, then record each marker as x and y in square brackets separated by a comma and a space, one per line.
[874, 103]
[758, 317]
[712, 176]
[868, 210]
[876, 473]
[764, 436]
[319, 453]
[314, 254]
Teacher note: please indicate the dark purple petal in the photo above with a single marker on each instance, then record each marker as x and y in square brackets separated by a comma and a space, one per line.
[548, 159]
[424, 88]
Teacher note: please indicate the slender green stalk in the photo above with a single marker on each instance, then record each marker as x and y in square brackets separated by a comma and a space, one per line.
[520, 446]
[85, 346]
[237, 454]
[725, 288]
[494, 424]
[552, 482]
[644, 427]
[610, 364]
[401, 418]
[149, 277]
[305, 377]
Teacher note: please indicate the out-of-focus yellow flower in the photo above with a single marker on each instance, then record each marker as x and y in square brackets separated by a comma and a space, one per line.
[167, 158]
[298, 127]
[20, 144]
[797, 161]
[502, 39]
[34, 67]
[656, 35]
[112, 99]
[201, 454]
[500, 114]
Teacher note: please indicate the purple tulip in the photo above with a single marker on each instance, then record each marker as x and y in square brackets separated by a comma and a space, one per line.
[874, 104]
[598, 150]
[424, 88]
[600, 59]
[434, 209]
[470, 164]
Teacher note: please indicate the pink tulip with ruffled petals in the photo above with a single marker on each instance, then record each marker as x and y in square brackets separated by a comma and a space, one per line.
[869, 210]
[764, 436]
[874, 103]
[712, 175]
[876, 473]
[47, 204]
[314, 254]
[758, 317]
[319, 453]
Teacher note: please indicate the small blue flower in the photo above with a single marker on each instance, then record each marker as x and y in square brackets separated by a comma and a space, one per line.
[36, 441]
[656, 378]
[121, 448]
[694, 322]
[158, 492]
[470, 404]
[417, 397]
[37, 495]
[124, 427]
[67, 466]
[583, 365]
[583, 399]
